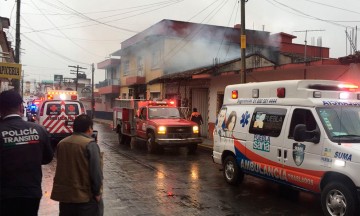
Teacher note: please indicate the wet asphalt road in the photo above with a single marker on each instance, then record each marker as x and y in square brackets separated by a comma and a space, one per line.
[176, 183]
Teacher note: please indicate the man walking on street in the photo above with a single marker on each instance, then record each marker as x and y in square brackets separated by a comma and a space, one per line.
[196, 117]
[78, 177]
[24, 147]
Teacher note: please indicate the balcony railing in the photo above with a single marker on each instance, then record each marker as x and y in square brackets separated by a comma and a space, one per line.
[107, 82]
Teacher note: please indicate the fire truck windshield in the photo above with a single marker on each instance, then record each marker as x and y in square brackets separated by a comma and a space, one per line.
[163, 112]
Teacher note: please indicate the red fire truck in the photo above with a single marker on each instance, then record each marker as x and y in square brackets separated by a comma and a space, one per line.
[157, 123]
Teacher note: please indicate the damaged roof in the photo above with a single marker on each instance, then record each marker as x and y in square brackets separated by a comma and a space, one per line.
[188, 74]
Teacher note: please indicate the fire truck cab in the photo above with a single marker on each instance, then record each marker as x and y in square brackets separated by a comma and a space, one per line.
[57, 113]
[158, 123]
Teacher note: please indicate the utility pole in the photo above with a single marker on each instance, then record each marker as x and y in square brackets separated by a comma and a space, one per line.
[16, 82]
[22, 84]
[243, 42]
[92, 91]
[77, 73]
[306, 31]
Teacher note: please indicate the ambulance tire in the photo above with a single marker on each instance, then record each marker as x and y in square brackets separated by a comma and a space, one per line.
[232, 172]
[339, 199]
[150, 143]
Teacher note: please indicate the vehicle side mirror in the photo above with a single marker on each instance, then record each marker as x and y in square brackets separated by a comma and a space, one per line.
[302, 135]
[94, 135]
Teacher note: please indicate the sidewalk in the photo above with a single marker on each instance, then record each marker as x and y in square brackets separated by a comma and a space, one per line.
[207, 144]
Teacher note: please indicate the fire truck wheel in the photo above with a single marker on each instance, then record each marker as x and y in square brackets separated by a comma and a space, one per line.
[121, 138]
[132, 143]
[150, 143]
[192, 148]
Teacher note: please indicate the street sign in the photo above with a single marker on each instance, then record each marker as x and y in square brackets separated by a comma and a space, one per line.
[10, 70]
[58, 78]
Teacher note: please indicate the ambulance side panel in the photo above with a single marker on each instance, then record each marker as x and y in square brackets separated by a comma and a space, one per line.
[264, 144]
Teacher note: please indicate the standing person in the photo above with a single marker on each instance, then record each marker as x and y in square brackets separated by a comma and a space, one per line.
[24, 147]
[78, 177]
[196, 117]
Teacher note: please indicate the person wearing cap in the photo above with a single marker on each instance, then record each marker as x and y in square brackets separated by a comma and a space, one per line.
[24, 147]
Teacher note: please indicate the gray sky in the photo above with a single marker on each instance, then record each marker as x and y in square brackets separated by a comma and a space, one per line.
[59, 33]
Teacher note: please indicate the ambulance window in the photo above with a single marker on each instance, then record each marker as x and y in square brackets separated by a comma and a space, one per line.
[143, 113]
[71, 109]
[302, 116]
[53, 109]
[267, 121]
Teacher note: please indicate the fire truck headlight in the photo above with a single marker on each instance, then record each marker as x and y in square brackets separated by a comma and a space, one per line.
[161, 130]
[196, 129]
[62, 96]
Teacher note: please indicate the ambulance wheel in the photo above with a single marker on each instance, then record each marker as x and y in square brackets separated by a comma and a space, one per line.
[232, 173]
[192, 148]
[339, 199]
[150, 143]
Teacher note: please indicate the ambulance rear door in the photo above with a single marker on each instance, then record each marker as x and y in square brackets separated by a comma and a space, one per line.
[58, 116]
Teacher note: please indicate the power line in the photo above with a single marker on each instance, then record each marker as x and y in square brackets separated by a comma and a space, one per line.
[97, 22]
[63, 32]
[52, 52]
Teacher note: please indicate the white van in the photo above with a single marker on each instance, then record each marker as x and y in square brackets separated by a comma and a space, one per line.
[58, 112]
[300, 133]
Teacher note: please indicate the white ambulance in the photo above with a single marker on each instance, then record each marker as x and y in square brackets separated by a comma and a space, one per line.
[57, 113]
[300, 133]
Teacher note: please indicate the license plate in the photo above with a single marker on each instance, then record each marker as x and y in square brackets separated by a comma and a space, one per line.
[69, 123]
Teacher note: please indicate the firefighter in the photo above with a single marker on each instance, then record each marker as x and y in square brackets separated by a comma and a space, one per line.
[197, 118]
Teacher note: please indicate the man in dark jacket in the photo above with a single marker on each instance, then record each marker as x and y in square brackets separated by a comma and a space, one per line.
[78, 177]
[196, 117]
[24, 147]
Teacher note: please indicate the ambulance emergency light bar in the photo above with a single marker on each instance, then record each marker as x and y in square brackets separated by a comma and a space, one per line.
[281, 92]
[62, 95]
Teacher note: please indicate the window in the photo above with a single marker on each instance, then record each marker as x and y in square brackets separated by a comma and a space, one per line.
[154, 95]
[155, 58]
[53, 109]
[71, 109]
[341, 123]
[140, 66]
[143, 113]
[126, 67]
[267, 121]
[302, 116]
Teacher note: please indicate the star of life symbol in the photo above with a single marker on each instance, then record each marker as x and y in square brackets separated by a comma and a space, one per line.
[71, 108]
[244, 119]
[53, 108]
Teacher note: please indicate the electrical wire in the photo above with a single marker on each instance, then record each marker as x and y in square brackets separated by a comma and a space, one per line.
[308, 15]
[64, 33]
[223, 38]
[97, 22]
[54, 53]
